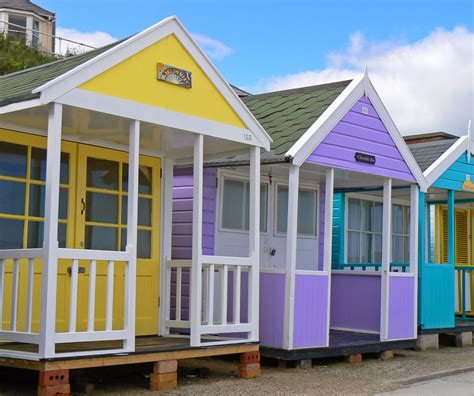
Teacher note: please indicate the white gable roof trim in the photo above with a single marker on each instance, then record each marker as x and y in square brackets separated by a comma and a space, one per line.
[72, 79]
[317, 132]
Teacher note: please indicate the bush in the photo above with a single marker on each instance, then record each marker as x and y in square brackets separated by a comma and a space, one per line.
[16, 55]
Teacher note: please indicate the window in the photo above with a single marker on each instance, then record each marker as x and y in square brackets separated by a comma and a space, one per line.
[235, 205]
[35, 39]
[307, 211]
[400, 234]
[22, 195]
[364, 231]
[17, 25]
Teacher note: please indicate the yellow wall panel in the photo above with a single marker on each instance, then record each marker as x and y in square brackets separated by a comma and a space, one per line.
[135, 79]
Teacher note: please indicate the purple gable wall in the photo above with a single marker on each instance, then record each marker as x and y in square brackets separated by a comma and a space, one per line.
[358, 132]
[355, 301]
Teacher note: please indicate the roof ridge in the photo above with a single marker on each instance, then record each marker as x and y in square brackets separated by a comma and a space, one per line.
[434, 142]
[298, 90]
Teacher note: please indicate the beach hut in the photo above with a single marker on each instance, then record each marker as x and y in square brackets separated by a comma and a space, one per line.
[328, 286]
[87, 149]
[446, 297]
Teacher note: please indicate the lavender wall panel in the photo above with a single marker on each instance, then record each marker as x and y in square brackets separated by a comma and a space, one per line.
[311, 315]
[272, 309]
[401, 308]
[358, 132]
[183, 212]
[355, 302]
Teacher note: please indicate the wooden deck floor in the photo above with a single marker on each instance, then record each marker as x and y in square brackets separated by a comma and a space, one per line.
[148, 349]
[341, 343]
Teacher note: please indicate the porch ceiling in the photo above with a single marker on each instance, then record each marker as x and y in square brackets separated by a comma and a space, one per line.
[101, 129]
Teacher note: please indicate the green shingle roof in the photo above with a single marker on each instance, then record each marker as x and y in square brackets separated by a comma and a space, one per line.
[286, 116]
[16, 87]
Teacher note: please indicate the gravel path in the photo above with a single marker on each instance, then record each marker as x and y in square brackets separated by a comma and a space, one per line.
[333, 377]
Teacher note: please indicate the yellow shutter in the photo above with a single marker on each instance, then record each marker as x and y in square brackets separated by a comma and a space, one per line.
[442, 213]
[462, 237]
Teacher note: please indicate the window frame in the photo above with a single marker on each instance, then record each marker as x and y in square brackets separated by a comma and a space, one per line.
[301, 186]
[364, 197]
[222, 175]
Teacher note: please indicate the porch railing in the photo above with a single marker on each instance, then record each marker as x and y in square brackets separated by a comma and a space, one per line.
[398, 266]
[30, 261]
[225, 296]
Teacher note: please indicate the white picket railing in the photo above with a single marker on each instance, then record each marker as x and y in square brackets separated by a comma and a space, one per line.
[95, 259]
[218, 273]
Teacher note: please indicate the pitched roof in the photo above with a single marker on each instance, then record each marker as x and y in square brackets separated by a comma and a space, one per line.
[16, 87]
[426, 153]
[25, 5]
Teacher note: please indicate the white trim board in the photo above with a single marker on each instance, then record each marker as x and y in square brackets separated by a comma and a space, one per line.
[449, 157]
[64, 83]
[317, 132]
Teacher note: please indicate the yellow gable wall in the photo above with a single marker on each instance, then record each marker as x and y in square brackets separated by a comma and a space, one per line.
[135, 79]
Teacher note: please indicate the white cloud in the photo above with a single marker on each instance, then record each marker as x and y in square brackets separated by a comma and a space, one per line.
[93, 39]
[426, 85]
[215, 49]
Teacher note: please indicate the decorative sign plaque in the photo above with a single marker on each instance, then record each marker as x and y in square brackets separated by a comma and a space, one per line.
[365, 158]
[174, 75]
[468, 186]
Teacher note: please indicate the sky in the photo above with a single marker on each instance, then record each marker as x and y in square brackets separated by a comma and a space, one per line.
[419, 53]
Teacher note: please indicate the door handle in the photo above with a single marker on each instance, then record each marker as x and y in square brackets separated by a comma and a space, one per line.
[80, 270]
[272, 252]
[83, 203]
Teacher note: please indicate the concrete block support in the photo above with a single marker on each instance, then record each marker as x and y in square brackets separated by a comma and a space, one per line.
[164, 376]
[304, 364]
[386, 355]
[427, 341]
[353, 359]
[464, 339]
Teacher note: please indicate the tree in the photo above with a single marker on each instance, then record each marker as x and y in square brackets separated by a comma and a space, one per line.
[16, 55]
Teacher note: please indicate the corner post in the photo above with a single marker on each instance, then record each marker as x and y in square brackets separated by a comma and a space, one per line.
[414, 256]
[386, 256]
[166, 235]
[50, 242]
[132, 216]
[291, 241]
[451, 229]
[421, 254]
[254, 242]
[327, 253]
[196, 269]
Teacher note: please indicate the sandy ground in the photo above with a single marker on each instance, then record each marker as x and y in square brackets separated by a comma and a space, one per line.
[329, 377]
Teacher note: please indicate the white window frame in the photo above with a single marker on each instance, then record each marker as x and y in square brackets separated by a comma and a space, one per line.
[346, 217]
[222, 175]
[305, 187]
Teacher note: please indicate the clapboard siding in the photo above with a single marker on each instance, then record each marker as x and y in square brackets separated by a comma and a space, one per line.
[365, 133]
[322, 211]
[338, 230]
[455, 176]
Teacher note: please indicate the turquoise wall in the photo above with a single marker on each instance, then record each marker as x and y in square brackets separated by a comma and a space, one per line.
[338, 230]
[455, 176]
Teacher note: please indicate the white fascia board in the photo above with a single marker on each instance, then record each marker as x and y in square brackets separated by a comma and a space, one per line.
[316, 133]
[442, 164]
[155, 115]
[102, 62]
[26, 104]
[395, 134]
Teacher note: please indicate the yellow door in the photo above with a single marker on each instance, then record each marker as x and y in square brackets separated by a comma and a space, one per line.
[22, 194]
[101, 220]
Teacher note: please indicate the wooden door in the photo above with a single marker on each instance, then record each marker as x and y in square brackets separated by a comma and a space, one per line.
[101, 202]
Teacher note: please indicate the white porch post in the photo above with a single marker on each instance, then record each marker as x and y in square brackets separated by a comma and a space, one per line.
[167, 216]
[328, 218]
[386, 255]
[414, 222]
[50, 242]
[196, 269]
[291, 242]
[254, 242]
[327, 252]
[132, 216]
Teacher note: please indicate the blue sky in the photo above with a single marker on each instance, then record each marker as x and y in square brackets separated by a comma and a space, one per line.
[264, 45]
